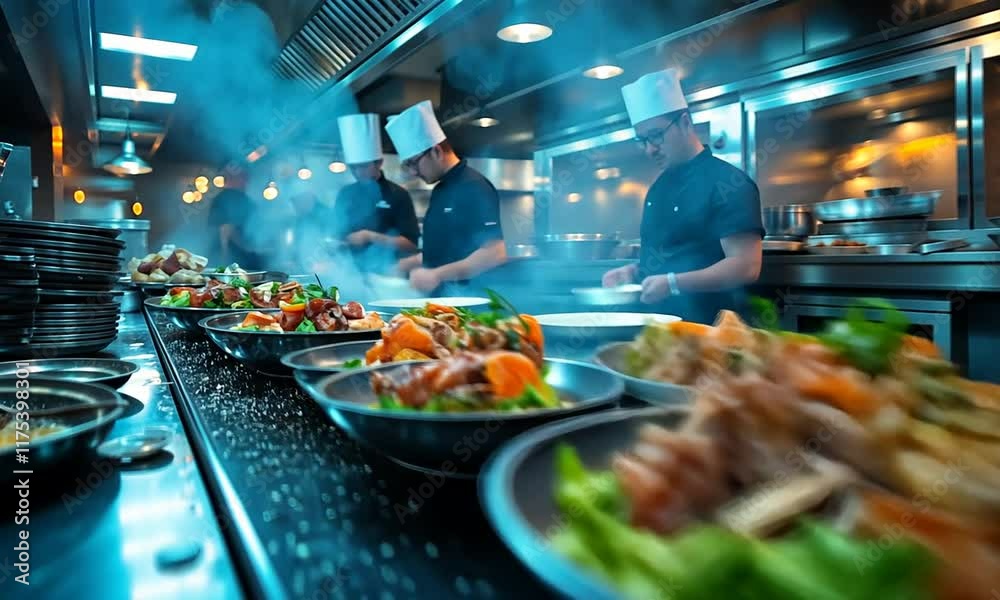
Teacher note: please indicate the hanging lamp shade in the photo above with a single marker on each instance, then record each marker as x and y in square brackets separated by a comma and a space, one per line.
[128, 162]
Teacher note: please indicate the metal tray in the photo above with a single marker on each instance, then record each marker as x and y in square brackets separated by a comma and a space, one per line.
[610, 296]
[875, 239]
[56, 249]
[873, 227]
[108, 371]
[104, 232]
[837, 250]
[941, 246]
[920, 204]
[15, 230]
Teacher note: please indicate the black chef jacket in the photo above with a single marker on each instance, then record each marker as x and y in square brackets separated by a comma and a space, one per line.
[464, 214]
[688, 210]
[380, 206]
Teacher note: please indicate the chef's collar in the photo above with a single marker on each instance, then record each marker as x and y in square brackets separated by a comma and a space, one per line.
[693, 162]
[453, 172]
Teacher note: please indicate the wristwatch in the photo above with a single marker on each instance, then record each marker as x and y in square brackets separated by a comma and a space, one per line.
[672, 281]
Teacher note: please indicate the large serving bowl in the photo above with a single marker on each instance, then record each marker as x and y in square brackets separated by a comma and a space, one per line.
[613, 356]
[262, 350]
[313, 364]
[579, 334]
[517, 488]
[187, 317]
[453, 444]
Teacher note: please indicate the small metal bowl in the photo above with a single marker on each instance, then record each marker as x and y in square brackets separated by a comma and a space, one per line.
[453, 444]
[612, 356]
[262, 350]
[516, 490]
[316, 363]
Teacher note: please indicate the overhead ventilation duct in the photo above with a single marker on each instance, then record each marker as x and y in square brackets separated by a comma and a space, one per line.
[341, 33]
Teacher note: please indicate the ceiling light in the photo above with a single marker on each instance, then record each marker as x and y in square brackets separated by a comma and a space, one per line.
[604, 70]
[877, 114]
[187, 197]
[219, 181]
[574, 198]
[128, 163]
[79, 196]
[337, 167]
[607, 173]
[305, 174]
[136, 95]
[201, 181]
[271, 191]
[522, 25]
[485, 122]
[197, 196]
[202, 188]
[137, 208]
[147, 47]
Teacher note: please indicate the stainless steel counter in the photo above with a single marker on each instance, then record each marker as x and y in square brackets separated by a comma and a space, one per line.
[108, 531]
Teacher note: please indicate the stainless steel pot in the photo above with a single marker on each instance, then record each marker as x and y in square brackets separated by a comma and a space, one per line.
[794, 220]
[522, 251]
[578, 246]
[135, 234]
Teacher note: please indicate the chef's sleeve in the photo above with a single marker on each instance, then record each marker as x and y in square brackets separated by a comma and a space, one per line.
[485, 214]
[737, 206]
[404, 216]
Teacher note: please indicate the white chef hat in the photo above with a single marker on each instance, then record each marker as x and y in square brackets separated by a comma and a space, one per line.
[414, 130]
[653, 95]
[361, 138]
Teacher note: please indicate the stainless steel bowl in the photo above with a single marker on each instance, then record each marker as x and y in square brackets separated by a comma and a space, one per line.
[578, 246]
[613, 356]
[885, 207]
[107, 371]
[516, 490]
[455, 444]
[621, 295]
[187, 317]
[522, 251]
[262, 350]
[795, 220]
[316, 363]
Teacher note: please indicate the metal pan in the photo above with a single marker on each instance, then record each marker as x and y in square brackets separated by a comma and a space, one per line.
[873, 227]
[186, 317]
[942, 246]
[97, 296]
[38, 337]
[59, 263]
[54, 350]
[47, 226]
[91, 261]
[85, 429]
[15, 230]
[611, 296]
[837, 250]
[516, 490]
[55, 249]
[428, 441]
[110, 372]
[79, 307]
[46, 273]
[889, 207]
[262, 350]
[613, 357]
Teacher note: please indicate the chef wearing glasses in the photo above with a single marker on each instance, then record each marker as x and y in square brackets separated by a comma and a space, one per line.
[373, 215]
[462, 237]
[701, 225]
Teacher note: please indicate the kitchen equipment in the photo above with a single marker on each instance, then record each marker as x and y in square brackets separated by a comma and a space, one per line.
[262, 350]
[794, 220]
[614, 356]
[522, 251]
[427, 441]
[942, 246]
[919, 204]
[578, 246]
[781, 246]
[137, 446]
[886, 191]
[874, 239]
[110, 372]
[85, 429]
[888, 249]
[516, 490]
[134, 232]
[186, 317]
[609, 296]
[837, 250]
[848, 228]
[587, 328]
[315, 363]
[397, 304]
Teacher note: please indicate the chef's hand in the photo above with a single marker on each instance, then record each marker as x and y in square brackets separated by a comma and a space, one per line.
[424, 280]
[654, 289]
[619, 276]
[361, 238]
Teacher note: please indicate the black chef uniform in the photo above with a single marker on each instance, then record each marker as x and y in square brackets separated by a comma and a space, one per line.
[688, 210]
[464, 214]
[380, 206]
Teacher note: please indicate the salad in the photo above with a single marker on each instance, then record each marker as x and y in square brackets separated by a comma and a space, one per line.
[856, 463]
[307, 309]
[239, 294]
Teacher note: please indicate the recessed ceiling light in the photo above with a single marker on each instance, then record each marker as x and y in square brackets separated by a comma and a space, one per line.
[337, 167]
[607, 173]
[574, 197]
[135, 95]
[147, 47]
[524, 33]
[604, 71]
[485, 122]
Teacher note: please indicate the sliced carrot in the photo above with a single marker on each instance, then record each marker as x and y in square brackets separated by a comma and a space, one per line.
[439, 309]
[837, 388]
[510, 373]
[408, 354]
[292, 308]
[534, 333]
[921, 346]
[412, 336]
[687, 328]
[374, 354]
[258, 318]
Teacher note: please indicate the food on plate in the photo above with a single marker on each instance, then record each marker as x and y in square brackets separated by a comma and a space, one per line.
[306, 309]
[858, 450]
[9, 435]
[238, 293]
[500, 380]
[436, 331]
[168, 266]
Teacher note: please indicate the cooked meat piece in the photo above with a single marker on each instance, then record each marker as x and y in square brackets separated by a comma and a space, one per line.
[443, 334]
[187, 276]
[199, 298]
[263, 299]
[180, 290]
[417, 385]
[230, 295]
[171, 265]
[291, 287]
[327, 315]
[486, 338]
[450, 319]
[531, 352]
[320, 305]
[290, 320]
[146, 268]
[354, 310]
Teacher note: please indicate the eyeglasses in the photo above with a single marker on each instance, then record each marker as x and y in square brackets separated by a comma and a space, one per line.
[656, 137]
[411, 164]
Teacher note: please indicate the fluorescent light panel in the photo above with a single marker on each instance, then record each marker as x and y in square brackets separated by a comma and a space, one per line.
[147, 47]
[136, 95]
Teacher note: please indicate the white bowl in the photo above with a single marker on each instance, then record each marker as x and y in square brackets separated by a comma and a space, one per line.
[397, 304]
[587, 329]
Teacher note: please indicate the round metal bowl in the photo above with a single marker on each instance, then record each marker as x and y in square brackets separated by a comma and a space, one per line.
[578, 246]
[570, 334]
[516, 490]
[613, 357]
[262, 350]
[316, 363]
[793, 220]
[187, 317]
[609, 296]
[454, 444]
[85, 429]
[108, 371]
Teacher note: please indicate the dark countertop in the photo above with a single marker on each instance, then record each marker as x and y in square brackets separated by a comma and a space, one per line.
[335, 520]
[101, 526]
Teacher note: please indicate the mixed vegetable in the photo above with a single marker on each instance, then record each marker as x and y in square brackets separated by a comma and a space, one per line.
[305, 309]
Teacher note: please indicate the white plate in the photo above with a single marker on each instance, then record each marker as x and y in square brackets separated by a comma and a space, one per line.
[408, 303]
[603, 319]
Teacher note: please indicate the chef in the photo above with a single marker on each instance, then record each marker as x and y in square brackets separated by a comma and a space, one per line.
[462, 237]
[701, 225]
[373, 215]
